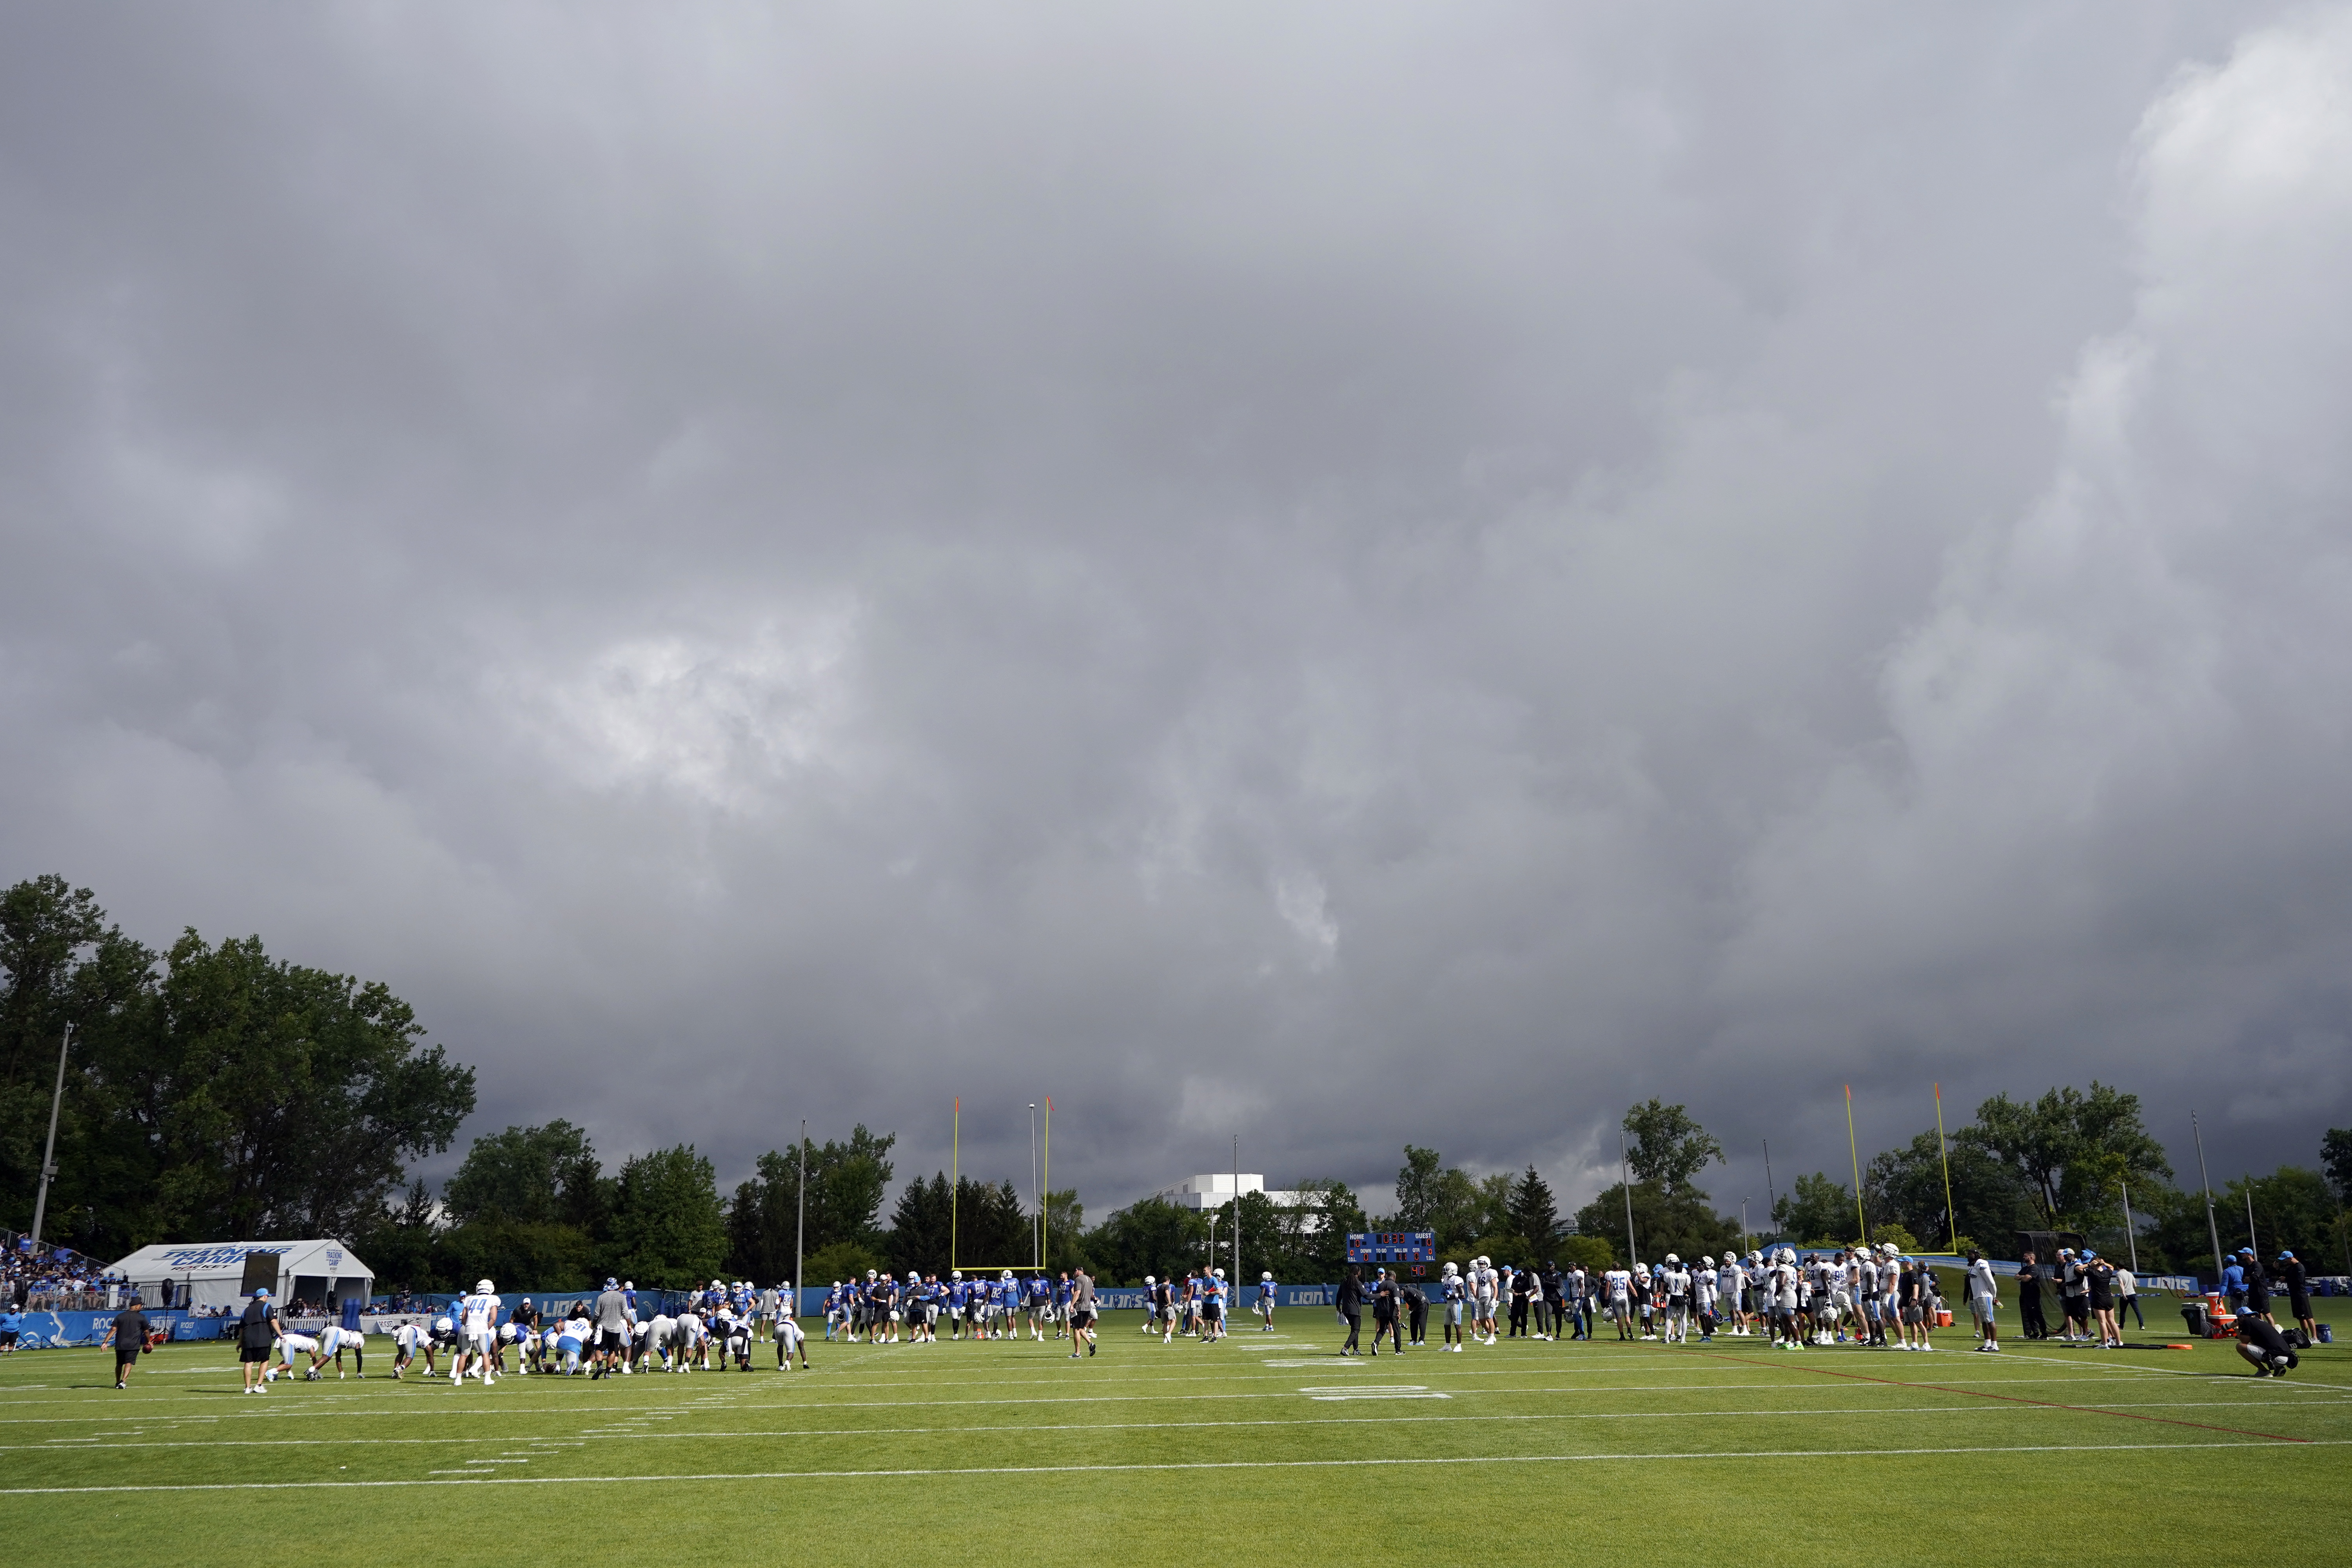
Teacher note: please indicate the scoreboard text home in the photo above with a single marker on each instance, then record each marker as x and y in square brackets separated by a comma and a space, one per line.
[1414, 1248]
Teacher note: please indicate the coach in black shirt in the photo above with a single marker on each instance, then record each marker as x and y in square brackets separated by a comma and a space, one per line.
[129, 1339]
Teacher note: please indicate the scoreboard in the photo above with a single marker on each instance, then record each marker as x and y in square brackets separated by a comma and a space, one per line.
[1415, 1247]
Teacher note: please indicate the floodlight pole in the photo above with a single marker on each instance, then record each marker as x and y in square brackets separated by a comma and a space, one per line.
[1625, 1183]
[2131, 1242]
[800, 1227]
[2252, 1241]
[1853, 1153]
[1944, 1149]
[2213, 1230]
[1770, 1195]
[49, 1154]
[1036, 1230]
[1238, 1216]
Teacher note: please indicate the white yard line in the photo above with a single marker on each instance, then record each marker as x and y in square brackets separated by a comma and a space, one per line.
[1749, 1455]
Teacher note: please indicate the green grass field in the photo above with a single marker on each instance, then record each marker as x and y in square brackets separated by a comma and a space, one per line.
[1262, 1444]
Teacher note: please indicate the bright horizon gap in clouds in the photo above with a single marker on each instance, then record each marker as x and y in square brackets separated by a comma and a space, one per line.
[1430, 577]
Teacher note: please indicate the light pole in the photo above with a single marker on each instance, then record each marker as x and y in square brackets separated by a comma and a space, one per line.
[1625, 1182]
[1212, 1239]
[49, 1154]
[1237, 1213]
[1037, 1224]
[2213, 1230]
[800, 1228]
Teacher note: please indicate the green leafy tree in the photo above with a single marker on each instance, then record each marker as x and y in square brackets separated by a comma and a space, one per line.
[1668, 1147]
[1150, 1236]
[841, 1260]
[1433, 1196]
[1592, 1251]
[1065, 1232]
[1820, 1209]
[2070, 1148]
[1906, 1187]
[668, 1229]
[1664, 1222]
[528, 1175]
[847, 1182]
[2336, 1159]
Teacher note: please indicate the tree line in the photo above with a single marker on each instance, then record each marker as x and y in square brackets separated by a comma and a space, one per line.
[213, 1092]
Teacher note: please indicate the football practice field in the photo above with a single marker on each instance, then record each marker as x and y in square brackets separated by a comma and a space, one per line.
[1268, 1446]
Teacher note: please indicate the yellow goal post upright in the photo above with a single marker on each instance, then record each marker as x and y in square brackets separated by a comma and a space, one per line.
[955, 1197]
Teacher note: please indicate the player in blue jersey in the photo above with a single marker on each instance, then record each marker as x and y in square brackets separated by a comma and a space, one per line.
[1061, 1303]
[1266, 1292]
[1212, 1307]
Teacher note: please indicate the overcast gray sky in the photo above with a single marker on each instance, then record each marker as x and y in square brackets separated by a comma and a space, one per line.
[1332, 573]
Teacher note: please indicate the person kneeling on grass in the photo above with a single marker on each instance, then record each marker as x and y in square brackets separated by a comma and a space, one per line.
[2259, 1342]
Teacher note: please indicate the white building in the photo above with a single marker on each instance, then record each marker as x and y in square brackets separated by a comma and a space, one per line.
[221, 1274]
[1217, 1191]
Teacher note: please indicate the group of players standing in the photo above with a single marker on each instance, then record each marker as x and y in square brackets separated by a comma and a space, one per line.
[1863, 1295]
[885, 1310]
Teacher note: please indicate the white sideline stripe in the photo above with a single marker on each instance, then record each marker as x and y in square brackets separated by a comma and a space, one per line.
[289, 1407]
[2042, 1410]
[2294, 1383]
[493, 1480]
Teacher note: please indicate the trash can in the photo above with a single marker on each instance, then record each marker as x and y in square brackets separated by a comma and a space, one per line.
[2193, 1314]
[2326, 1336]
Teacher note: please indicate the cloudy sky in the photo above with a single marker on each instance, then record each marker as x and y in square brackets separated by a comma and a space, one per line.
[1331, 574]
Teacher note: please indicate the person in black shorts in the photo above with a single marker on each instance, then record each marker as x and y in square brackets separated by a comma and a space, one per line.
[257, 1333]
[2297, 1285]
[2258, 1287]
[129, 1340]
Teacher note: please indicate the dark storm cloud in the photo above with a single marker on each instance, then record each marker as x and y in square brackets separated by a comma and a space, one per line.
[1340, 576]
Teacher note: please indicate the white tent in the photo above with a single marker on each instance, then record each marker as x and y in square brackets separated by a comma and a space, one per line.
[213, 1273]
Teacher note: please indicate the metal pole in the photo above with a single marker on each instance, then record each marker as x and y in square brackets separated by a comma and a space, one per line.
[1237, 1216]
[1045, 1235]
[800, 1229]
[2250, 1239]
[1944, 1148]
[1853, 1153]
[2206, 1182]
[1770, 1196]
[49, 1154]
[1744, 1233]
[1036, 1193]
[955, 1180]
[1625, 1181]
[2131, 1241]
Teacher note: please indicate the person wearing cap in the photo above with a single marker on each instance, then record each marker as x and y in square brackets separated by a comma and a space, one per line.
[2258, 1285]
[2099, 1283]
[2233, 1284]
[130, 1341]
[2259, 1342]
[2030, 1321]
[2292, 1275]
[1082, 1311]
[1984, 1299]
[611, 1322]
[256, 1335]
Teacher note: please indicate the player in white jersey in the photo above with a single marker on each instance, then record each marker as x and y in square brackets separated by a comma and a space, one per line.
[476, 1314]
[1453, 1292]
[289, 1345]
[1672, 1284]
[1984, 1298]
[1729, 1279]
[1784, 1287]
[407, 1340]
[1703, 1298]
[334, 1341]
[1617, 1291]
[789, 1340]
[1490, 1292]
